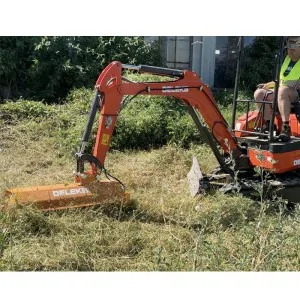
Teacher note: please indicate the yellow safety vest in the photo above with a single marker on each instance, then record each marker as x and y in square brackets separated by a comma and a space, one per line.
[294, 73]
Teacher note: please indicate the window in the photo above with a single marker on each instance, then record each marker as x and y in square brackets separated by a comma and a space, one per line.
[178, 52]
[226, 59]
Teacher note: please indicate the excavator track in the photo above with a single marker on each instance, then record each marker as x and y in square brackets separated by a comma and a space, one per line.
[285, 187]
[248, 183]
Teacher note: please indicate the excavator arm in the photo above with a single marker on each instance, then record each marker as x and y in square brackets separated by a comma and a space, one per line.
[111, 87]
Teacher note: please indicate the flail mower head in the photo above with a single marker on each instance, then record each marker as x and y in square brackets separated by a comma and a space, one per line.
[64, 196]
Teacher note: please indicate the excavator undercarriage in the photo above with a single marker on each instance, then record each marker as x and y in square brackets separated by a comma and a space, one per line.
[257, 184]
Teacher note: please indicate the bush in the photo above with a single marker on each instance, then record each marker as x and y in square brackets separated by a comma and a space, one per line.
[77, 61]
[49, 67]
[145, 122]
[79, 101]
[225, 98]
[153, 122]
[15, 61]
[27, 109]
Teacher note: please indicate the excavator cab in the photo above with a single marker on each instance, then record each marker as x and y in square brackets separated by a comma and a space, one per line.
[278, 160]
[250, 129]
[251, 122]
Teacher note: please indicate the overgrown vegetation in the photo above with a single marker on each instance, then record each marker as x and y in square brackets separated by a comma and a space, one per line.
[164, 230]
[49, 67]
[145, 122]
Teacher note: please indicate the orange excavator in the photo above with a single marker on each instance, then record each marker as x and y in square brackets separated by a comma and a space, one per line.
[239, 148]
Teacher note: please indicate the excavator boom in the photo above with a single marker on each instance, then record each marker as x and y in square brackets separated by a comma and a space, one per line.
[188, 88]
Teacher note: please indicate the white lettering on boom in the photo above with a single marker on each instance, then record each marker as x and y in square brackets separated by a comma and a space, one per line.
[175, 89]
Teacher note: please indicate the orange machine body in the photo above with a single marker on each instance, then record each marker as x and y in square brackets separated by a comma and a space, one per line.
[248, 122]
[274, 162]
[275, 157]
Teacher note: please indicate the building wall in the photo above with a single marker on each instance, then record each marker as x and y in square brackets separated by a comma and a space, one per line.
[188, 52]
[209, 56]
[207, 64]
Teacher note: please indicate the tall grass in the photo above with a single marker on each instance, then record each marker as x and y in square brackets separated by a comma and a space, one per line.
[165, 229]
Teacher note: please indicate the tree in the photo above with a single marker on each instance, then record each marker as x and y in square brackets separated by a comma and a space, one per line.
[63, 63]
[15, 60]
[259, 62]
[49, 67]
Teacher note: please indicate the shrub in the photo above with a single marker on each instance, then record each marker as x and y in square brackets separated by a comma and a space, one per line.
[49, 67]
[63, 63]
[27, 109]
[15, 61]
[153, 122]
[145, 122]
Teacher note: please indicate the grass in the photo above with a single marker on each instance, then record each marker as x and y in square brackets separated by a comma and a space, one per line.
[164, 230]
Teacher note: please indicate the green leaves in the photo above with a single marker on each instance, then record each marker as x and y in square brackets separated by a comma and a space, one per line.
[259, 62]
[26, 109]
[49, 67]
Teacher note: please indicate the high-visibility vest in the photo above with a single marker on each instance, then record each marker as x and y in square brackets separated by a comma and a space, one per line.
[294, 73]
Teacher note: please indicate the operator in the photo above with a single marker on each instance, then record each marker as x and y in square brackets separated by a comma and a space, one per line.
[289, 88]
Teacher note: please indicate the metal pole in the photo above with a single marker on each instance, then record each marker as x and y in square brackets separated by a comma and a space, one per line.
[237, 79]
[277, 79]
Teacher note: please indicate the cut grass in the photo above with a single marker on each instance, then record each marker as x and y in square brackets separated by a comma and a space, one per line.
[165, 230]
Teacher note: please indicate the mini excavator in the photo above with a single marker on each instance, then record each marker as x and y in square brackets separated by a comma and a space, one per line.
[240, 149]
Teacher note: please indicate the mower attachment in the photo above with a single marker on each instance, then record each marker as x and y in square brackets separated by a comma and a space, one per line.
[63, 196]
